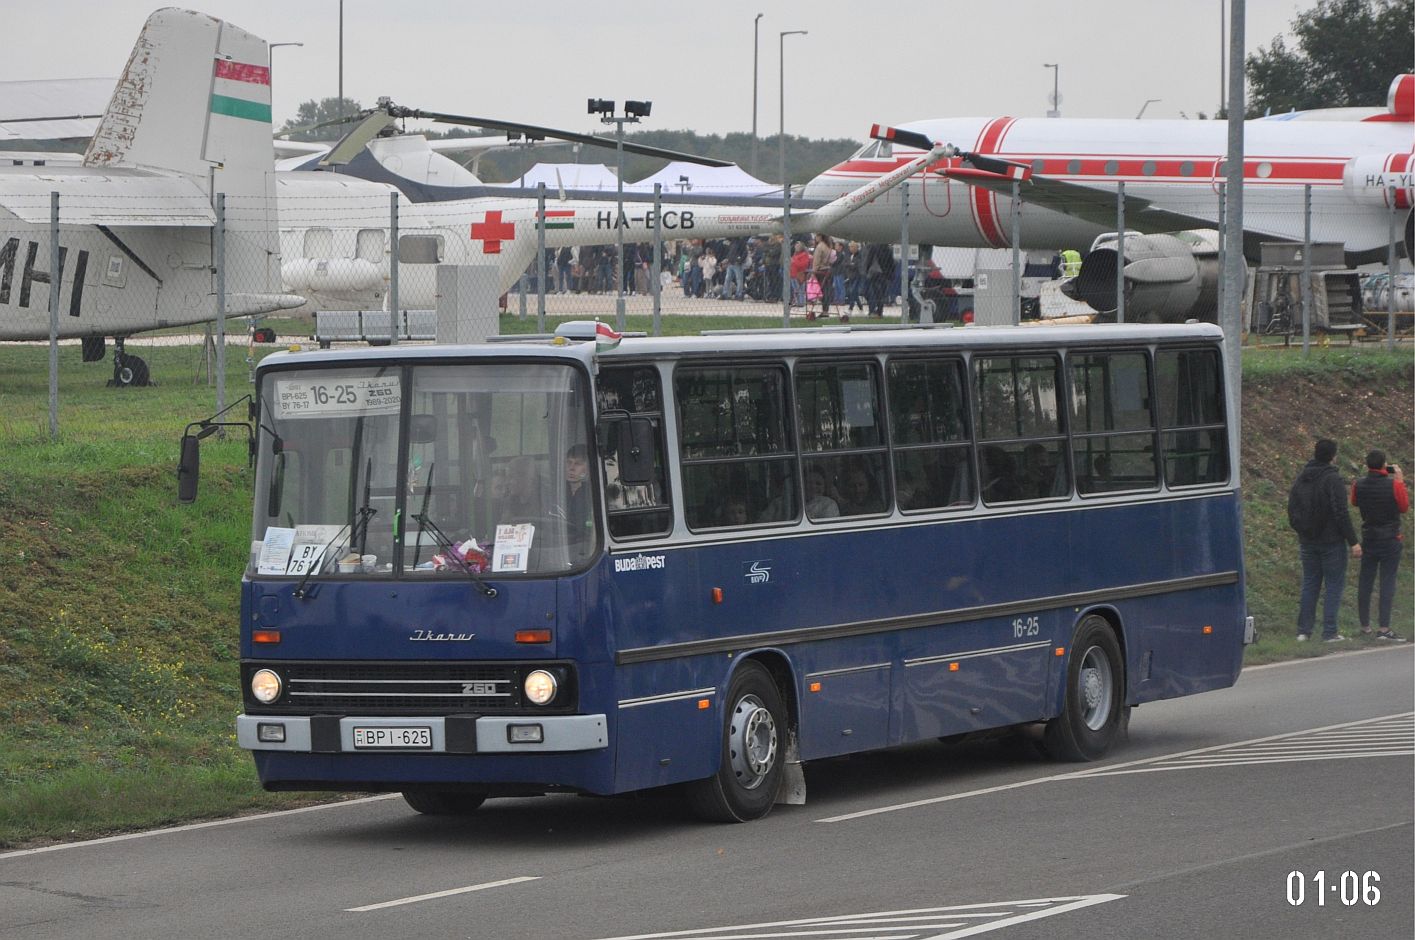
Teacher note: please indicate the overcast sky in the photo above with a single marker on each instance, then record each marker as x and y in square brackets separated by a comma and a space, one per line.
[864, 61]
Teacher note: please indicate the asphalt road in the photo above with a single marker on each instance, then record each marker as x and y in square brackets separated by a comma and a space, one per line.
[1193, 829]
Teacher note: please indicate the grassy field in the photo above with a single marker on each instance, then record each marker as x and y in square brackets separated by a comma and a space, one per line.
[118, 646]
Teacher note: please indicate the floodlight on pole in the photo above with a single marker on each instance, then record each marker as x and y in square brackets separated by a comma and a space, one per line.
[1148, 102]
[1055, 67]
[633, 112]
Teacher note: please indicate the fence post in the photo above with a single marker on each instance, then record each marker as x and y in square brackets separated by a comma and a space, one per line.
[1016, 252]
[657, 286]
[785, 254]
[1393, 267]
[1120, 252]
[904, 279]
[1306, 292]
[220, 302]
[540, 257]
[56, 279]
[393, 269]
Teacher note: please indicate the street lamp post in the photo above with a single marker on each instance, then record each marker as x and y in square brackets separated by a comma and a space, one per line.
[781, 142]
[756, 31]
[1055, 67]
[270, 51]
[633, 111]
[1148, 102]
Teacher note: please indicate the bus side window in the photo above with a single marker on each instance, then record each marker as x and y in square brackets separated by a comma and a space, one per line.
[638, 510]
[933, 459]
[735, 442]
[1193, 437]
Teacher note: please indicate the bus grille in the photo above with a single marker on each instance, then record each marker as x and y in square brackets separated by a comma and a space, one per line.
[381, 688]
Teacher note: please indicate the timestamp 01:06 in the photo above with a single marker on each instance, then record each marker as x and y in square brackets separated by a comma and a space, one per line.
[1348, 887]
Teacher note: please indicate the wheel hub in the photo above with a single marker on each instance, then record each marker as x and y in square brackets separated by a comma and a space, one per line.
[752, 742]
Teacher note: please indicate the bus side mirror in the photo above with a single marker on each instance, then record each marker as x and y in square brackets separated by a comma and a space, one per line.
[189, 468]
[637, 451]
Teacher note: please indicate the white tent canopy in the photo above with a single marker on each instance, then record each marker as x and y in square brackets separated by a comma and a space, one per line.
[691, 178]
[571, 176]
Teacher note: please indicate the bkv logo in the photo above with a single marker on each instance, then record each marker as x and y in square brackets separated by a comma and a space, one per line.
[757, 572]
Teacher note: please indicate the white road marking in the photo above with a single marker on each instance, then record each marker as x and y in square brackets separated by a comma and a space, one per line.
[440, 894]
[913, 924]
[319, 807]
[1362, 748]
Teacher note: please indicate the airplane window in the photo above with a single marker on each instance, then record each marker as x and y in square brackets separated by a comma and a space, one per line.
[319, 243]
[420, 249]
[1186, 168]
[1074, 168]
[369, 245]
[1112, 167]
[867, 151]
[1265, 170]
[1149, 168]
[1039, 166]
[886, 148]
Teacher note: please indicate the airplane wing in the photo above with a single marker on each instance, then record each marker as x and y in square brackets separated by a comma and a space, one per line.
[1095, 205]
[52, 108]
[109, 196]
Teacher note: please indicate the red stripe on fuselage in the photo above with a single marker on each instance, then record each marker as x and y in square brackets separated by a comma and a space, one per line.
[985, 202]
[242, 72]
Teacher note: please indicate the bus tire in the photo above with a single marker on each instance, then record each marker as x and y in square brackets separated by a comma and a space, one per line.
[1093, 714]
[753, 751]
[444, 802]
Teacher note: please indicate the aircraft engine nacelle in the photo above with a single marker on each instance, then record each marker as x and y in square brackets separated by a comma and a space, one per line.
[1168, 279]
[331, 275]
[1369, 180]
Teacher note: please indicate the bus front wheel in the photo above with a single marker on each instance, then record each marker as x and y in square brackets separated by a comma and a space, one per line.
[444, 802]
[1094, 714]
[753, 740]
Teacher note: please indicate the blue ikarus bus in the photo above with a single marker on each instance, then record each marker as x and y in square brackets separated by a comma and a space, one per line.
[537, 566]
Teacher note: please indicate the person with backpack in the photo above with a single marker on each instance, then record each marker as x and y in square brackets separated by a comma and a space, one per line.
[1381, 497]
[1316, 510]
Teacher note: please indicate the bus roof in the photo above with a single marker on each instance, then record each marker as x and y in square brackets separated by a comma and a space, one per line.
[771, 341]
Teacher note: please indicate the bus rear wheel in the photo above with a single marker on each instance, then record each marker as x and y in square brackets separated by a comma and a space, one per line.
[753, 741]
[444, 802]
[1093, 715]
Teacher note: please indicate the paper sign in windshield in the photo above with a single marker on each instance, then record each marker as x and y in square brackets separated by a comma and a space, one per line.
[275, 550]
[337, 397]
[513, 547]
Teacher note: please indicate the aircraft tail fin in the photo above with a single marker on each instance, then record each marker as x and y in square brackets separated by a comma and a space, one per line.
[195, 96]
[195, 99]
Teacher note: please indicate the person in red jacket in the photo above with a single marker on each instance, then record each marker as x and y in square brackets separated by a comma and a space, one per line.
[1382, 498]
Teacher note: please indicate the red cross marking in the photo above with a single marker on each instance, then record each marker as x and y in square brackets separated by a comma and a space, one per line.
[493, 232]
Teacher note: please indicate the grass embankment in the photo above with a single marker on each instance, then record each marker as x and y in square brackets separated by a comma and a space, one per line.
[118, 646]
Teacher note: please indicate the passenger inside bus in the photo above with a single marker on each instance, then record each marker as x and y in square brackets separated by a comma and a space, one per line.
[523, 491]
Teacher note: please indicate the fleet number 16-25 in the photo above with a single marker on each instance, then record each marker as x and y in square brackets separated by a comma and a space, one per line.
[1026, 626]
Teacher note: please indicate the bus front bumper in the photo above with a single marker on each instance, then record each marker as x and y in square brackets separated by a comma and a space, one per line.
[454, 734]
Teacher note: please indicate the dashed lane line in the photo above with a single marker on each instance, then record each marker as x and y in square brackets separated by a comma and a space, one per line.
[440, 894]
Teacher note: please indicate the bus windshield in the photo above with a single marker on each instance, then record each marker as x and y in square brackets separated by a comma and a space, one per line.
[423, 470]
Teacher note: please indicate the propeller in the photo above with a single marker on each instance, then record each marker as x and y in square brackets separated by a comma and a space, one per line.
[374, 120]
[976, 160]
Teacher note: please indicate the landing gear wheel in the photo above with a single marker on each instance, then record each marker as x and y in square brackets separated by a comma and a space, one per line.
[753, 746]
[1093, 716]
[444, 802]
[133, 371]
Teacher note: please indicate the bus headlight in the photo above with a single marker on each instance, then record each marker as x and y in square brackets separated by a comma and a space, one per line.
[540, 687]
[265, 686]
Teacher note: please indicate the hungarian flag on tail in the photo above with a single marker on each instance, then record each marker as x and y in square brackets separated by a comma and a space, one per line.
[605, 337]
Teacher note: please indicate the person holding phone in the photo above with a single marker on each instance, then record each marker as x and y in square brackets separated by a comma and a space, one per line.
[1382, 498]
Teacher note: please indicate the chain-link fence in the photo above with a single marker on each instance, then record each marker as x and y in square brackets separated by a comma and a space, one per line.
[165, 283]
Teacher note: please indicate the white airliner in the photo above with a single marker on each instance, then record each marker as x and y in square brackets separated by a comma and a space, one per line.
[190, 119]
[1068, 169]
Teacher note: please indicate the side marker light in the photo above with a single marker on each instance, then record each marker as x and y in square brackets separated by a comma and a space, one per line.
[717, 595]
[1061, 651]
[1208, 629]
[703, 704]
[532, 636]
[815, 686]
[265, 636]
[952, 667]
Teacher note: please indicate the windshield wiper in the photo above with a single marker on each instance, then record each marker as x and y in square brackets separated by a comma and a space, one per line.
[444, 543]
[427, 493]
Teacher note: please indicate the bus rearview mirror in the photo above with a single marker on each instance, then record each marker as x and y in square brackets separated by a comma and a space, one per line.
[189, 468]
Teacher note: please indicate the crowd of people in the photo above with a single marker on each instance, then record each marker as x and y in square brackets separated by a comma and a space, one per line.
[825, 273]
